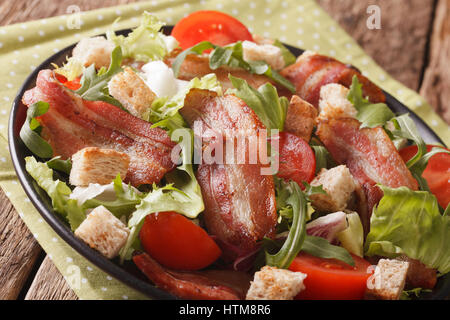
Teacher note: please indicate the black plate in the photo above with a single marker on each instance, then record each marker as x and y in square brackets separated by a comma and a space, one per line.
[128, 273]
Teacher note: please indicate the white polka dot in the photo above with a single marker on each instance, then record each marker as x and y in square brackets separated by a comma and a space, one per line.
[41, 33]
[69, 260]
[12, 73]
[35, 55]
[252, 5]
[55, 50]
[40, 220]
[136, 8]
[27, 200]
[57, 40]
[100, 17]
[6, 98]
[316, 12]
[267, 23]
[349, 57]
[434, 123]
[332, 53]
[419, 103]
[32, 67]
[235, 12]
[300, 20]
[16, 52]
[104, 289]
[54, 239]
[20, 38]
[50, 256]
[14, 61]
[108, 278]
[317, 24]
[348, 45]
[332, 40]
[97, 30]
[251, 17]
[1, 44]
[316, 47]
[38, 46]
[219, 6]
[266, 34]
[9, 85]
[316, 36]
[77, 35]
[125, 297]
[89, 268]
[300, 43]
[83, 280]
[35, 235]
[332, 29]
[2, 31]
[283, 16]
[283, 38]
[8, 194]
[399, 92]
[268, 11]
[13, 182]
[283, 27]
[118, 12]
[44, 21]
[284, 4]
[186, 5]
[61, 28]
[365, 73]
[300, 31]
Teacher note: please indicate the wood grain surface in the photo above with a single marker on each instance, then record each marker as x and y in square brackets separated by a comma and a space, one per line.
[413, 45]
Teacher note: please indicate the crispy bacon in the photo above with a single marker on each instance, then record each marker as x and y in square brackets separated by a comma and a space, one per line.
[370, 156]
[239, 200]
[72, 123]
[200, 285]
[312, 71]
[198, 66]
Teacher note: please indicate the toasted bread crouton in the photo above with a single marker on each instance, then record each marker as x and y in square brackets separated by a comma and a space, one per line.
[263, 52]
[339, 186]
[388, 280]
[419, 275]
[102, 231]
[333, 103]
[275, 284]
[301, 118]
[262, 40]
[95, 165]
[96, 50]
[131, 91]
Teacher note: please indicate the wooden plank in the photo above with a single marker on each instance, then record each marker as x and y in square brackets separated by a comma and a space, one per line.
[436, 82]
[49, 284]
[399, 46]
[18, 250]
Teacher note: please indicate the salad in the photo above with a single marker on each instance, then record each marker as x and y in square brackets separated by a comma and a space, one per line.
[224, 167]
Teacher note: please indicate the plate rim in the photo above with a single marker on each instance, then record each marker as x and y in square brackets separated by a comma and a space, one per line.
[63, 231]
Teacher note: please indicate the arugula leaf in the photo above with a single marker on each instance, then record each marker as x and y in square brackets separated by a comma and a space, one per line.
[61, 165]
[144, 43]
[269, 108]
[232, 55]
[288, 57]
[57, 190]
[294, 197]
[30, 131]
[409, 222]
[416, 292]
[370, 115]
[320, 247]
[94, 86]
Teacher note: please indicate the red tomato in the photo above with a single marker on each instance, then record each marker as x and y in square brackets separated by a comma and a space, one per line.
[437, 173]
[177, 243]
[72, 85]
[214, 26]
[331, 279]
[297, 161]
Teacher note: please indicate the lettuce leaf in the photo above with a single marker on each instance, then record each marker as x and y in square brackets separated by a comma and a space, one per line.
[288, 57]
[370, 115]
[145, 43]
[409, 222]
[57, 190]
[268, 106]
[71, 69]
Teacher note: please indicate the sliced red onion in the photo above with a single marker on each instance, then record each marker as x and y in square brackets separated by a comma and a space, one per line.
[328, 226]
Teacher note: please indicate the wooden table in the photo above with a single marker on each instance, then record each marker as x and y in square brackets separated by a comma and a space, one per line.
[413, 45]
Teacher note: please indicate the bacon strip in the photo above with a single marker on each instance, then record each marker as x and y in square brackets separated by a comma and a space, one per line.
[370, 156]
[201, 285]
[239, 201]
[72, 123]
[312, 71]
[198, 66]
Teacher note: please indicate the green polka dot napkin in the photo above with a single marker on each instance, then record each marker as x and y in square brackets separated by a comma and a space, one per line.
[24, 46]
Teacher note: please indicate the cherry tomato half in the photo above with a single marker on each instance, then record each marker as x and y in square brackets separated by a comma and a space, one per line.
[214, 26]
[177, 243]
[437, 173]
[72, 85]
[297, 161]
[331, 279]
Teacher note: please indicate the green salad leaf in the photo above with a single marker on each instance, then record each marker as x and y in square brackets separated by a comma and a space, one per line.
[288, 57]
[144, 43]
[31, 128]
[320, 247]
[409, 222]
[57, 190]
[94, 86]
[268, 106]
[232, 56]
[60, 165]
[370, 115]
[352, 238]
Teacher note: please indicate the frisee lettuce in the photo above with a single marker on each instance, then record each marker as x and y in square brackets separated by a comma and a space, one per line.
[144, 43]
[409, 222]
[72, 69]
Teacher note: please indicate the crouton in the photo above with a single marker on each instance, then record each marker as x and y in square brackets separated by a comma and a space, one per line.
[275, 284]
[262, 40]
[333, 103]
[339, 186]
[388, 280]
[132, 92]
[419, 275]
[102, 231]
[301, 118]
[95, 165]
[264, 52]
[96, 50]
